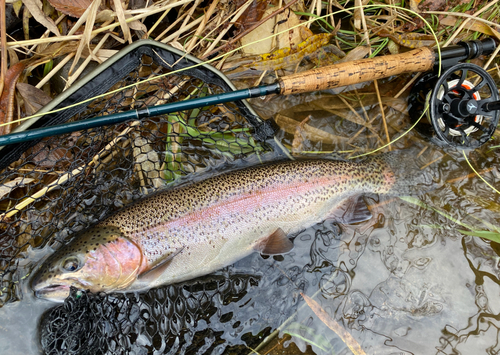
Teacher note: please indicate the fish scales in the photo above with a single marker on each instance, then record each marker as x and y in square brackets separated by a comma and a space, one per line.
[195, 229]
[241, 207]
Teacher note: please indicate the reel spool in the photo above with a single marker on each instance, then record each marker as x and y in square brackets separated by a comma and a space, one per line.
[463, 105]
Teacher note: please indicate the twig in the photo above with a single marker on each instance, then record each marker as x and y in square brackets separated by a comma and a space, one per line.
[74, 76]
[45, 35]
[244, 33]
[62, 179]
[382, 112]
[3, 46]
[432, 162]
[54, 70]
[53, 185]
[202, 26]
[91, 13]
[408, 84]
[190, 14]
[182, 30]
[160, 20]
[468, 176]
[235, 17]
[172, 25]
[375, 82]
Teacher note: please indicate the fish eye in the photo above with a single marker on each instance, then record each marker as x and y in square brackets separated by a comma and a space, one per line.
[71, 264]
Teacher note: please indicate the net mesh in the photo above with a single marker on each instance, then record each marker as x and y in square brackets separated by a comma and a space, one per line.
[232, 311]
[174, 319]
[63, 184]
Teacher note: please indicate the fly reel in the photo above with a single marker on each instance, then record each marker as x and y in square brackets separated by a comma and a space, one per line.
[462, 106]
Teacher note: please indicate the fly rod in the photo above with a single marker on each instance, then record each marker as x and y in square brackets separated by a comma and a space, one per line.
[329, 77]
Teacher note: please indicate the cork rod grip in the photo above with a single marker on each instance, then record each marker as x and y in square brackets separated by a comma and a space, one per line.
[358, 71]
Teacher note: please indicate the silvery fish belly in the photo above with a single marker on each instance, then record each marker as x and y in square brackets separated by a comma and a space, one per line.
[196, 229]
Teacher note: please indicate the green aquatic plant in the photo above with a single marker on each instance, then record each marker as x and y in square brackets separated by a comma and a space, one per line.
[493, 236]
[183, 127]
[309, 336]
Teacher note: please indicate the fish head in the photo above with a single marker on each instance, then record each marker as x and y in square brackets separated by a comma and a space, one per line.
[100, 259]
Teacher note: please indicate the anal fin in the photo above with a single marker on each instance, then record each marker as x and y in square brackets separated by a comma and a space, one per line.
[276, 243]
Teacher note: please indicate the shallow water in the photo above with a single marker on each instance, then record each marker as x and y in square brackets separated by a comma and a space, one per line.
[397, 283]
[405, 282]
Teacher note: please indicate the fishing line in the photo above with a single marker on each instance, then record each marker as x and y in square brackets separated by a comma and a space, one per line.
[474, 170]
[396, 139]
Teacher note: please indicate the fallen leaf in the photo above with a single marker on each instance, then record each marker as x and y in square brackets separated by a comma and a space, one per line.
[433, 5]
[73, 8]
[137, 26]
[333, 325]
[414, 5]
[310, 133]
[26, 22]
[35, 9]
[410, 40]
[6, 188]
[34, 99]
[17, 5]
[315, 48]
[252, 14]
[291, 38]
[299, 136]
[49, 156]
[7, 98]
[356, 53]
[261, 34]
[147, 160]
[105, 15]
[87, 33]
[471, 25]
[13, 58]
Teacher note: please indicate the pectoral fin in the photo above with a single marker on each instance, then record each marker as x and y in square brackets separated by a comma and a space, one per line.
[276, 243]
[353, 210]
[151, 275]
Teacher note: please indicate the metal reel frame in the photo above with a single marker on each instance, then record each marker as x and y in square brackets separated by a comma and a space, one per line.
[448, 107]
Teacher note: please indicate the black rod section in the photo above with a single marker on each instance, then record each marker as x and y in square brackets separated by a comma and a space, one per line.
[120, 117]
[464, 51]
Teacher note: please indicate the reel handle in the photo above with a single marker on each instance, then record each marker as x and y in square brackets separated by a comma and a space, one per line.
[358, 71]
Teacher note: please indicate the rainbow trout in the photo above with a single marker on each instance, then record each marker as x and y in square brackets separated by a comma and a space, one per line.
[195, 229]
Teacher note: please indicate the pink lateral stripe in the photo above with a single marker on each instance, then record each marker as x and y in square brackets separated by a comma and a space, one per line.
[248, 202]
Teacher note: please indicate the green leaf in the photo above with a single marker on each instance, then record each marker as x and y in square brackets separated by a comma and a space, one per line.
[48, 67]
[493, 236]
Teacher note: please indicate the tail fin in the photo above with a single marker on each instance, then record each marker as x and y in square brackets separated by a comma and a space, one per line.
[411, 179]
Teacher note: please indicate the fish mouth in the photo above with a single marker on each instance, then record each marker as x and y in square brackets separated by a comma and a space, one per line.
[56, 293]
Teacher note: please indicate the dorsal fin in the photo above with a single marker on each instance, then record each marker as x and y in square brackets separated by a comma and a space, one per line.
[276, 243]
